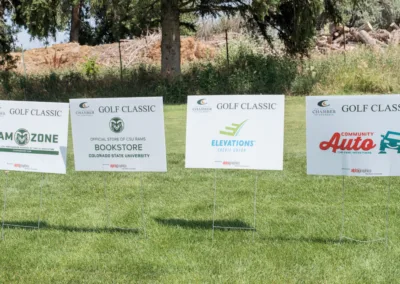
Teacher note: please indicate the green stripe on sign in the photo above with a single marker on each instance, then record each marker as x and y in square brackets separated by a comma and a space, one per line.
[27, 151]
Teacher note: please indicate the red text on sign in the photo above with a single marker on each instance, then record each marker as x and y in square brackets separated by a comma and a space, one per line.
[345, 144]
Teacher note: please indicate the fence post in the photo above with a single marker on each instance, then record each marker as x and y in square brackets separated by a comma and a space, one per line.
[23, 63]
[120, 57]
[227, 47]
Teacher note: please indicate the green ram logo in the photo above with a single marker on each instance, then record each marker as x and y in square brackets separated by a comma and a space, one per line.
[22, 137]
[233, 130]
[117, 125]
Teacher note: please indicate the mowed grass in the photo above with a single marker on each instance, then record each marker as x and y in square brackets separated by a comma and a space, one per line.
[299, 219]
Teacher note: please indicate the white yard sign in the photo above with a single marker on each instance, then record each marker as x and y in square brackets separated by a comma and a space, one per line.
[235, 132]
[119, 134]
[353, 135]
[33, 136]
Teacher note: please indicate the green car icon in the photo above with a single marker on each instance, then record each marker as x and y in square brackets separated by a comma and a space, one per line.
[390, 141]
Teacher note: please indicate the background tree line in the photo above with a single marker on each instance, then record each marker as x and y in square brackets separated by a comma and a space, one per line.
[96, 22]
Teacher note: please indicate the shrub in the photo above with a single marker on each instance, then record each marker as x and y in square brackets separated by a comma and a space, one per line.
[90, 67]
[250, 72]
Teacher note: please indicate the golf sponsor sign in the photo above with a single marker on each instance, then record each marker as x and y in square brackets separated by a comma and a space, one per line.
[353, 135]
[33, 136]
[235, 132]
[119, 134]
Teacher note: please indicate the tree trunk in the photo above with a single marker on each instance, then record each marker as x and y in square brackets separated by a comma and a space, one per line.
[395, 40]
[366, 38]
[367, 27]
[75, 23]
[393, 27]
[171, 39]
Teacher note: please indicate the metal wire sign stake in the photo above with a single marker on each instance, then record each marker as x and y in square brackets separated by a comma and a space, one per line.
[3, 224]
[108, 211]
[235, 228]
[342, 231]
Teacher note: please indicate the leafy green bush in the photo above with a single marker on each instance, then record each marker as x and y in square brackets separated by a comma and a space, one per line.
[90, 67]
[361, 71]
[249, 72]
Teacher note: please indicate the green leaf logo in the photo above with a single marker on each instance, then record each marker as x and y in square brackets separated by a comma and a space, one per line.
[233, 130]
[22, 137]
[117, 125]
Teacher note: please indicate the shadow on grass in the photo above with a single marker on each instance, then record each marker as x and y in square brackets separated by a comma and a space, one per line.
[207, 225]
[312, 240]
[202, 224]
[44, 226]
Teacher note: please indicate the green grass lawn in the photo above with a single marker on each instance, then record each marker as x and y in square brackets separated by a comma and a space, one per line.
[299, 219]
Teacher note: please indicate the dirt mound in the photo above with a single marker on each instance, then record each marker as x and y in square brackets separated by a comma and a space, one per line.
[145, 50]
[191, 50]
[58, 56]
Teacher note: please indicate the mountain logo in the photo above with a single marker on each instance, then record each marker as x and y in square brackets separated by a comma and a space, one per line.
[233, 130]
[22, 137]
[117, 125]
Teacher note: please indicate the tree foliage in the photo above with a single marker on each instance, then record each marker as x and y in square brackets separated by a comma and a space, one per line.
[294, 20]
[42, 18]
[106, 21]
[380, 13]
[6, 35]
[119, 19]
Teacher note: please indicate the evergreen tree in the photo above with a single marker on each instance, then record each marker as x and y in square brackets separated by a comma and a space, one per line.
[6, 35]
[295, 21]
